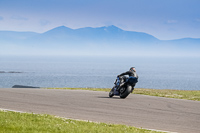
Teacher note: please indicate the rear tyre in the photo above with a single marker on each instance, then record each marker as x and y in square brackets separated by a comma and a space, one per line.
[126, 92]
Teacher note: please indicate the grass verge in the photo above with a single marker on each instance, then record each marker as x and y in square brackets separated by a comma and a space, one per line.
[15, 122]
[179, 94]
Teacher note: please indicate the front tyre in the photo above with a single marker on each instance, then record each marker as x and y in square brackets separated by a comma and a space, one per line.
[126, 92]
[111, 93]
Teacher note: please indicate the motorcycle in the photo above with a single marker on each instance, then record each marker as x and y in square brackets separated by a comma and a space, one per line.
[126, 89]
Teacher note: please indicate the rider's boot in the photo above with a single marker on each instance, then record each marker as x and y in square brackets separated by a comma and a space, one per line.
[132, 90]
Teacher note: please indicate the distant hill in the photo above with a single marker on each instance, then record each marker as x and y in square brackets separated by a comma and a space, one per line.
[108, 40]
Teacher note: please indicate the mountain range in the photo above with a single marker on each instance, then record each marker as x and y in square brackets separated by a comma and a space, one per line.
[107, 40]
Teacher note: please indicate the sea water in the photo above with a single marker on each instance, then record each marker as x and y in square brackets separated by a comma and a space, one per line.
[100, 72]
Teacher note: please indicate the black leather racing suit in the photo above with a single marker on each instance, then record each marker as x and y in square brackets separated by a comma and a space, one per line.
[130, 73]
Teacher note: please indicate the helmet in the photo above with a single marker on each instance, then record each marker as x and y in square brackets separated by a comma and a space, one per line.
[132, 69]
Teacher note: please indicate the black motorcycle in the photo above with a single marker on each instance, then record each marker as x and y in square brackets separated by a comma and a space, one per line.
[126, 89]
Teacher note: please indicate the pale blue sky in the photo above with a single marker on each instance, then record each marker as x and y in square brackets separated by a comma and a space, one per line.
[164, 19]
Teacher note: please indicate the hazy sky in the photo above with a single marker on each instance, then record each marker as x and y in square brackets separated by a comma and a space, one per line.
[164, 19]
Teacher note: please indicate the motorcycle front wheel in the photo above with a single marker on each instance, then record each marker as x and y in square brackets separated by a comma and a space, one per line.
[111, 93]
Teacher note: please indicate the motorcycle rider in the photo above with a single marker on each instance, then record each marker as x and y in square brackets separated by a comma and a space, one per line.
[131, 73]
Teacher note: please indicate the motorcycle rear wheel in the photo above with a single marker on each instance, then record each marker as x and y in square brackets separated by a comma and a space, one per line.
[126, 92]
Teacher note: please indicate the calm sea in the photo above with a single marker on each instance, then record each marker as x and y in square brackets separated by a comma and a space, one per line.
[100, 72]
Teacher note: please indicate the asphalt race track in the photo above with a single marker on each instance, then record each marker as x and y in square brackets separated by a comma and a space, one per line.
[136, 110]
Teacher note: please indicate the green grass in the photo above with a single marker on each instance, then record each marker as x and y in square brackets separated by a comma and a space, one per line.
[179, 94]
[15, 122]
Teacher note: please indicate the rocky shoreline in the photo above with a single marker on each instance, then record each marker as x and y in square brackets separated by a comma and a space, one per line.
[24, 86]
[10, 72]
